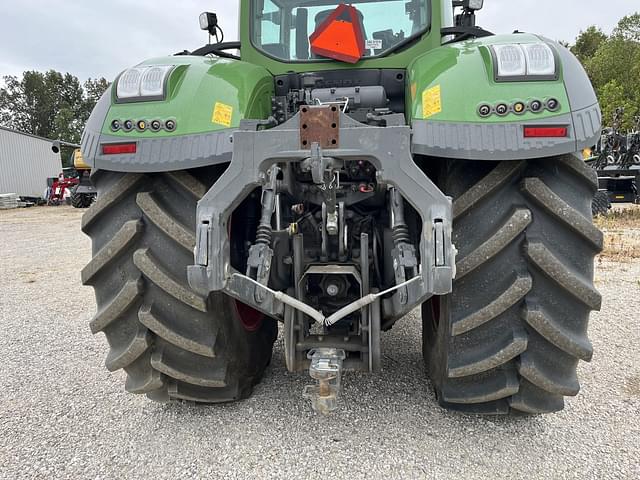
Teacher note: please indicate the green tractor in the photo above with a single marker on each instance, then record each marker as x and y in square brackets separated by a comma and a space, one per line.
[336, 169]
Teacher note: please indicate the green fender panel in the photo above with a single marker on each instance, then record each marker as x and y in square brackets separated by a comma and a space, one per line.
[447, 85]
[206, 97]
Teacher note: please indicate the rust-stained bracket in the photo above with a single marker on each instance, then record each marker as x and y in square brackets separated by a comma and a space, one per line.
[320, 124]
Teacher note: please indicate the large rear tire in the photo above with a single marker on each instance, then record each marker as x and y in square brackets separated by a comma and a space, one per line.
[172, 343]
[509, 337]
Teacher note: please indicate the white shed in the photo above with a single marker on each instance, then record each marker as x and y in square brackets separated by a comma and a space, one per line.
[26, 161]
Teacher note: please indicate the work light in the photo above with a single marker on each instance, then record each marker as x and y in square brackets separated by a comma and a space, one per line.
[129, 83]
[208, 22]
[540, 60]
[469, 4]
[511, 61]
[532, 61]
[152, 83]
[143, 83]
[474, 4]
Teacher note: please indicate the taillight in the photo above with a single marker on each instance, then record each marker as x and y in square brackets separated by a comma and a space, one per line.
[545, 132]
[119, 148]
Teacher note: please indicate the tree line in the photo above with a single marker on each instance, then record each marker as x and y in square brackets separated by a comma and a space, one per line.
[613, 64]
[50, 104]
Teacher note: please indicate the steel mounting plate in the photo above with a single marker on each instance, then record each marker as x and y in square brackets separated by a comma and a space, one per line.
[320, 124]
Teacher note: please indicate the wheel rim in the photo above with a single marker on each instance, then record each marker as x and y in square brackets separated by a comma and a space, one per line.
[250, 318]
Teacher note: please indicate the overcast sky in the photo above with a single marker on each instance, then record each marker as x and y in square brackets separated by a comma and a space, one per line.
[92, 38]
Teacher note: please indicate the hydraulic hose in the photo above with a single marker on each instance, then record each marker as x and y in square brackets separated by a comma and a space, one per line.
[340, 314]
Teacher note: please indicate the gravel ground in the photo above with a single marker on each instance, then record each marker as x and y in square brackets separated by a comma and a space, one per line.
[62, 415]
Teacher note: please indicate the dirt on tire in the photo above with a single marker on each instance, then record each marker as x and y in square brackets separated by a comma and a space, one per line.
[510, 336]
[172, 342]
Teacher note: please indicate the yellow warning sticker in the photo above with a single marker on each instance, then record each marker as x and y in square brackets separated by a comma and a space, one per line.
[222, 114]
[431, 101]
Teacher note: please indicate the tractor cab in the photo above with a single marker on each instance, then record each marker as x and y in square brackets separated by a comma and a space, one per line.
[317, 30]
[297, 35]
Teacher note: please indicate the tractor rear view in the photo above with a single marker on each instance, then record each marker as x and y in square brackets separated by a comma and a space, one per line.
[353, 163]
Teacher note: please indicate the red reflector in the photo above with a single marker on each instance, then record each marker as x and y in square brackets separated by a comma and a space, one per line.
[340, 36]
[545, 132]
[119, 148]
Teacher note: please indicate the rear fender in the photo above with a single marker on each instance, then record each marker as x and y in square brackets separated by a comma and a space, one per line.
[206, 98]
[448, 85]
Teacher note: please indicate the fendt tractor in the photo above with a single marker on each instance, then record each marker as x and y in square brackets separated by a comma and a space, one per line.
[337, 168]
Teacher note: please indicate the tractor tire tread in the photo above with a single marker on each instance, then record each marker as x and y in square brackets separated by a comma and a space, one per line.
[582, 289]
[154, 272]
[492, 182]
[510, 297]
[202, 345]
[117, 245]
[172, 343]
[545, 197]
[109, 199]
[509, 337]
[503, 236]
[165, 222]
[488, 356]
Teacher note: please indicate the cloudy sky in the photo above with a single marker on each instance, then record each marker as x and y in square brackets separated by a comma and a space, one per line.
[94, 38]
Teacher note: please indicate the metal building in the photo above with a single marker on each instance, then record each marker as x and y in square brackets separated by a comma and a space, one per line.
[26, 161]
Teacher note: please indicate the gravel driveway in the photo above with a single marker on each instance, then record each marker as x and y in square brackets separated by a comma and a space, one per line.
[62, 415]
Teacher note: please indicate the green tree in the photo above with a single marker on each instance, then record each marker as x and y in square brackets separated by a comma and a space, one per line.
[629, 27]
[51, 104]
[613, 96]
[613, 64]
[588, 42]
[94, 89]
[615, 59]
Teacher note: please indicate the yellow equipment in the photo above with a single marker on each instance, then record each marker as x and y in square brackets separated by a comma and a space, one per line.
[78, 160]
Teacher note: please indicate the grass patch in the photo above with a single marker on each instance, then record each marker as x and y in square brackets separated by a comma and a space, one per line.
[621, 246]
[621, 230]
[625, 217]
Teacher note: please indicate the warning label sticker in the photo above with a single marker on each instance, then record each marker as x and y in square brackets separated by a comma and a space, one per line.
[373, 44]
[222, 114]
[431, 101]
